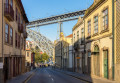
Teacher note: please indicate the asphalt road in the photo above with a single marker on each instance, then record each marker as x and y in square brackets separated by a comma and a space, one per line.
[47, 75]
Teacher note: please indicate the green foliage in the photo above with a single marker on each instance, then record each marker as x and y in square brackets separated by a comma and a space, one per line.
[41, 58]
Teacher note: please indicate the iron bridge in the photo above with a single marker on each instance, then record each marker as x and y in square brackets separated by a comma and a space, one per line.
[41, 41]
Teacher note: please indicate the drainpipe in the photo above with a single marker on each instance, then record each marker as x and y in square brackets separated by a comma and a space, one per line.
[84, 45]
[2, 40]
[113, 39]
[2, 32]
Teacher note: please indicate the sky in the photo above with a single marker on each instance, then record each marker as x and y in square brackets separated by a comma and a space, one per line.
[37, 9]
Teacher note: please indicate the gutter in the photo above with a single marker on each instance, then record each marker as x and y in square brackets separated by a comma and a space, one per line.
[113, 39]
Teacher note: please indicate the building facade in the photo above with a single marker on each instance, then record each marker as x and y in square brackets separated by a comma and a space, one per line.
[101, 55]
[116, 35]
[13, 37]
[102, 39]
[79, 48]
[63, 53]
[28, 59]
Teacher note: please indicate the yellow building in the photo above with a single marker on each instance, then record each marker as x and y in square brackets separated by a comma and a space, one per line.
[63, 52]
[102, 38]
[116, 42]
[12, 37]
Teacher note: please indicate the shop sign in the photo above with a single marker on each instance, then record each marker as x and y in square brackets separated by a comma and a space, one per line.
[77, 57]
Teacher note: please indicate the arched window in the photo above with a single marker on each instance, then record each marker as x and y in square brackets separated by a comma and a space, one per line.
[96, 49]
[96, 61]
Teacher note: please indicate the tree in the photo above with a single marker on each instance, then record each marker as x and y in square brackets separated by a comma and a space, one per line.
[45, 57]
[41, 58]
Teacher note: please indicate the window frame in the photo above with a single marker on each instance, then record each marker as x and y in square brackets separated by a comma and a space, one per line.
[16, 14]
[89, 28]
[96, 24]
[74, 37]
[82, 34]
[16, 40]
[12, 3]
[77, 35]
[7, 33]
[105, 27]
[27, 54]
[11, 38]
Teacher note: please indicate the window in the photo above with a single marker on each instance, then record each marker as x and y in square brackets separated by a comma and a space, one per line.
[16, 39]
[16, 14]
[96, 49]
[27, 54]
[18, 18]
[6, 33]
[89, 28]
[7, 1]
[82, 34]
[77, 35]
[24, 43]
[21, 42]
[95, 24]
[11, 3]
[89, 54]
[11, 36]
[74, 37]
[105, 19]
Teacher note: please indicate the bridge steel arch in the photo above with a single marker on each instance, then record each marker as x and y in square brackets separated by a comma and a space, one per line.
[44, 44]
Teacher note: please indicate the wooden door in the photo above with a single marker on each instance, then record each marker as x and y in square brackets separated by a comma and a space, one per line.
[106, 64]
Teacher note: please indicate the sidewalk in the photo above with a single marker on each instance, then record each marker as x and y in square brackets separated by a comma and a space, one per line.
[86, 78]
[21, 78]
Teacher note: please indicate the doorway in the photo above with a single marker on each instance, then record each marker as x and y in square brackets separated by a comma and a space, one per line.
[6, 68]
[105, 53]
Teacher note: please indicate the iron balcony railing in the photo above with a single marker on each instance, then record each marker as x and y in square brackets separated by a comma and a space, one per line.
[25, 34]
[20, 28]
[9, 12]
[77, 45]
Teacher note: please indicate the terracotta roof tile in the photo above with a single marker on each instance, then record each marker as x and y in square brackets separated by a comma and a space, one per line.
[70, 36]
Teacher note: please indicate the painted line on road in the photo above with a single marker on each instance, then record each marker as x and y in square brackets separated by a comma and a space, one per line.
[52, 79]
[74, 76]
[25, 81]
[49, 75]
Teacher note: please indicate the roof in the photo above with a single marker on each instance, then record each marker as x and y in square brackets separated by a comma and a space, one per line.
[69, 36]
[93, 7]
[79, 22]
[23, 11]
[28, 49]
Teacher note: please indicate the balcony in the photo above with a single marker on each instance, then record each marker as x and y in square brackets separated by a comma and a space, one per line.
[25, 34]
[20, 28]
[77, 45]
[82, 42]
[9, 12]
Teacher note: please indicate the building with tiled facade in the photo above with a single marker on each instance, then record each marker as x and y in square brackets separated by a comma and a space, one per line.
[13, 37]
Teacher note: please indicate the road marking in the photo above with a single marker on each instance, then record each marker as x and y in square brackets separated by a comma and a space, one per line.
[30, 77]
[52, 79]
